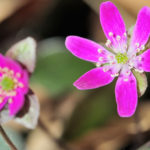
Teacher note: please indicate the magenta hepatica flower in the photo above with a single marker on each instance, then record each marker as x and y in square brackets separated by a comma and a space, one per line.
[15, 95]
[123, 58]
[13, 84]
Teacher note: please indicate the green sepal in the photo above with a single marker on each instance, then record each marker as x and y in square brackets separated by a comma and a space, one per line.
[24, 52]
[141, 82]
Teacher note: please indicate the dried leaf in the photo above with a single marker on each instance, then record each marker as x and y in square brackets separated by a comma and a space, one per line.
[24, 52]
[30, 119]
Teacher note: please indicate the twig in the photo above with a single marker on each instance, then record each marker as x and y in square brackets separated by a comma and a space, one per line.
[8, 141]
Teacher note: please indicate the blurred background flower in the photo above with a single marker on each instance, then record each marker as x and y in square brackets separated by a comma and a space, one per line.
[72, 119]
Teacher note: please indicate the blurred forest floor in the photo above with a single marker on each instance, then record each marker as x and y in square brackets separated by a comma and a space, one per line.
[70, 119]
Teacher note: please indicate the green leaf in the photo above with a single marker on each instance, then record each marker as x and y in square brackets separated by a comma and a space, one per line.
[57, 68]
[94, 111]
[141, 82]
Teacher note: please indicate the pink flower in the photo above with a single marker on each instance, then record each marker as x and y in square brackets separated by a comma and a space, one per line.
[17, 101]
[121, 60]
[13, 84]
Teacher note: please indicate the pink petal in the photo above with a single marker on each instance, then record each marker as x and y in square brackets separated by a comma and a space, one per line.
[126, 96]
[93, 79]
[142, 28]
[25, 80]
[3, 103]
[85, 49]
[17, 104]
[144, 64]
[8, 62]
[112, 22]
[16, 67]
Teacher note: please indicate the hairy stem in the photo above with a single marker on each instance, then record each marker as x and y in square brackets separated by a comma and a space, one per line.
[7, 139]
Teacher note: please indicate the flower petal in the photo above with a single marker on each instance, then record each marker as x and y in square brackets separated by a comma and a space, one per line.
[16, 105]
[144, 61]
[126, 96]
[93, 79]
[112, 23]
[141, 30]
[9, 63]
[86, 49]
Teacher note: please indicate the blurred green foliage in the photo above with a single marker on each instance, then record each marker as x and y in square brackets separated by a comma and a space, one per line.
[94, 111]
[57, 68]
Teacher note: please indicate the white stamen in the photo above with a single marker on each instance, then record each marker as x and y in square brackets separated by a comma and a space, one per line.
[1, 100]
[110, 34]
[141, 71]
[112, 62]
[108, 42]
[118, 38]
[125, 34]
[12, 93]
[105, 69]
[138, 70]
[127, 73]
[142, 47]
[101, 59]
[5, 69]
[125, 46]
[15, 80]
[18, 75]
[114, 75]
[138, 49]
[139, 58]
[98, 64]
[11, 72]
[137, 44]
[115, 50]
[20, 85]
[131, 64]
[125, 79]
[10, 100]
[99, 50]
[110, 57]
[133, 55]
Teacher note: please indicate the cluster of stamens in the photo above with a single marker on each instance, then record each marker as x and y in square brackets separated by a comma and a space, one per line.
[9, 82]
[115, 38]
[139, 48]
[119, 57]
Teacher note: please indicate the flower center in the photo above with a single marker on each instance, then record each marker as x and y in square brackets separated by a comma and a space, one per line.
[121, 58]
[7, 84]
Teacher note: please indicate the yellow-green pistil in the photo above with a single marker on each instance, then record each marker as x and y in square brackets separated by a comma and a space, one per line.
[7, 84]
[121, 58]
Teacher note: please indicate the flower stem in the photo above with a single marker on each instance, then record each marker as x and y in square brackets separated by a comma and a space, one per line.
[7, 139]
